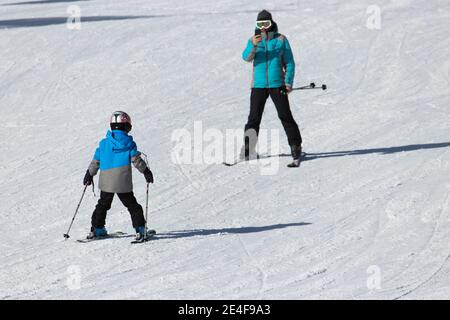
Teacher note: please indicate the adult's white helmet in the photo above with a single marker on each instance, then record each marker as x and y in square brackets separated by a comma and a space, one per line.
[120, 121]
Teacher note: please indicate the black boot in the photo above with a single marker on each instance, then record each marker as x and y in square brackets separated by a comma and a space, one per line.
[296, 152]
[248, 151]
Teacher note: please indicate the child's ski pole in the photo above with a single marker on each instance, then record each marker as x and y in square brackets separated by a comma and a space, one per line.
[66, 235]
[146, 213]
[146, 201]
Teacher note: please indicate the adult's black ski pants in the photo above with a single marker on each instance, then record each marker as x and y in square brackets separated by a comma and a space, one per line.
[279, 97]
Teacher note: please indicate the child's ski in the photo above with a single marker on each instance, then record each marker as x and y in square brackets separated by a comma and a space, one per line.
[113, 235]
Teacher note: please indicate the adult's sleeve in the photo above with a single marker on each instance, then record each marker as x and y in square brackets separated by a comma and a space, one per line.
[249, 52]
[290, 64]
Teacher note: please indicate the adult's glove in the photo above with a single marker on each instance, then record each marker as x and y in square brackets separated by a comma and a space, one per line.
[148, 175]
[285, 90]
[87, 181]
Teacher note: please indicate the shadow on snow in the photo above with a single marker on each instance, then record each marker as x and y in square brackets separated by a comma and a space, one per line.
[40, 2]
[41, 22]
[208, 232]
[382, 151]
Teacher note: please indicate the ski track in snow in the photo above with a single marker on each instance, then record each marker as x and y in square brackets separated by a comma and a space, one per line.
[372, 192]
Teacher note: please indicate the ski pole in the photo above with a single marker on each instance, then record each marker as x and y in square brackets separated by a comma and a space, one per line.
[312, 85]
[146, 213]
[146, 200]
[66, 235]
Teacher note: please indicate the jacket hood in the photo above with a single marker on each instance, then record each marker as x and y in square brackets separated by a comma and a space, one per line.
[120, 140]
[274, 27]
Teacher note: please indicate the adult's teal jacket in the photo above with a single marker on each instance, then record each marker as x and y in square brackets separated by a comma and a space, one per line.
[273, 61]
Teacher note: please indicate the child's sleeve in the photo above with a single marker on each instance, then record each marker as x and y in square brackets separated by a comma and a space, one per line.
[137, 160]
[95, 163]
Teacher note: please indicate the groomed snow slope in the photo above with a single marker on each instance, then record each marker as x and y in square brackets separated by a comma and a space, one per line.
[371, 202]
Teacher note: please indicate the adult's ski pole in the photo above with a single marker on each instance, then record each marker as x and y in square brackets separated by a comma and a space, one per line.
[66, 235]
[312, 85]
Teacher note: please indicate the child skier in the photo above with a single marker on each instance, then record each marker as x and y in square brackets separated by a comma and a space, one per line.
[114, 157]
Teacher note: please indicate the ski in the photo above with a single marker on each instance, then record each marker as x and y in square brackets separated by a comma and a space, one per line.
[293, 164]
[239, 160]
[230, 164]
[150, 235]
[113, 235]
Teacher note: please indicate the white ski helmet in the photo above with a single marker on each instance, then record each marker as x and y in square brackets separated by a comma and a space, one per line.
[120, 121]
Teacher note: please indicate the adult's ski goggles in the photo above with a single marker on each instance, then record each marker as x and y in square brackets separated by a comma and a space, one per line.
[263, 24]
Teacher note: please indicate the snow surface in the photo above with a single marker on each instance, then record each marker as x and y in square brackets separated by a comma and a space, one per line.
[365, 217]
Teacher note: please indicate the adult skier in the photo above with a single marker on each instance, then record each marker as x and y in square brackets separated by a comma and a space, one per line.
[114, 157]
[273, 75]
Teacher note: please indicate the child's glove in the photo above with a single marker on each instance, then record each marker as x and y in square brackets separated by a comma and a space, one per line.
[148, 175]
[87, 181]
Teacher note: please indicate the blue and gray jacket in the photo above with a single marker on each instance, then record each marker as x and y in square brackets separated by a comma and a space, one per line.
[114, 157]
[273, 62]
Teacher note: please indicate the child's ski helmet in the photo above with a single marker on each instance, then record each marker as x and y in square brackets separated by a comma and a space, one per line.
[120, 121]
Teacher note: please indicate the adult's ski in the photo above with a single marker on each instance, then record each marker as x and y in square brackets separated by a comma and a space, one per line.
[240, 160]
[293, 164]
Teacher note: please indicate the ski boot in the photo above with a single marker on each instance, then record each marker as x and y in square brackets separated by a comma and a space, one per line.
[248, 150]
[141, 236]
[296, 152]
[97, 233]
[247, 155]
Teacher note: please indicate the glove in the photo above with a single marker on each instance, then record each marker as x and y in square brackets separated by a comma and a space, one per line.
[148, 175]
[87, 181]
[285, 90]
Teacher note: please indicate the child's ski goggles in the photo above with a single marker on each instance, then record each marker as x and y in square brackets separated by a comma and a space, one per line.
[263, 24]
